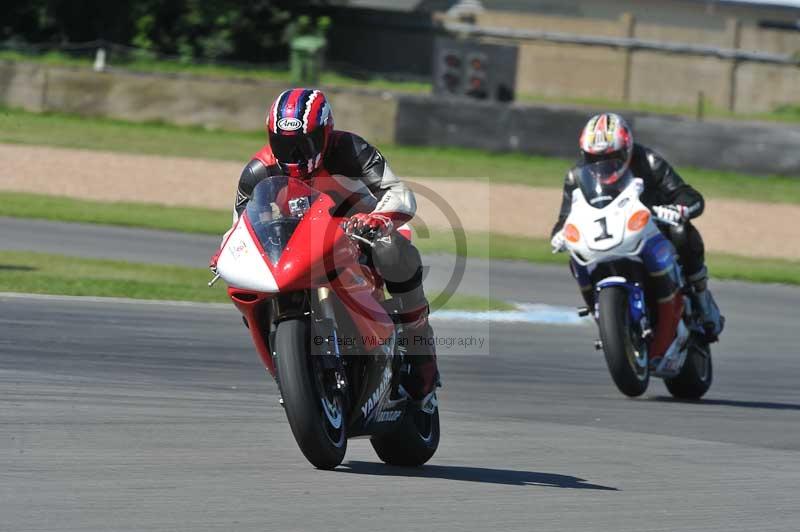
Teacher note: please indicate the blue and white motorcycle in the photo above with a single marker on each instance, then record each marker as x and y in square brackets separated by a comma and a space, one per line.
[619, 252]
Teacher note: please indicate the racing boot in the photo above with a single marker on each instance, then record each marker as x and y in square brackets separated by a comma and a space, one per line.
[670, 312]
[713, 322]
[422, 376]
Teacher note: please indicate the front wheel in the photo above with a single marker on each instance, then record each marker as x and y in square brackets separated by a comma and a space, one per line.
[315, 415]
[696, 375]
[413, 443]
[625, 351]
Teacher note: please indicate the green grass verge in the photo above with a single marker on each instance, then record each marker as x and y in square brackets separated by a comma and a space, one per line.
[327, 79]
[537, 250]
[160, 139]
[479, 245]
[471, 303]
[150, 216]
[491, 246]
[724, 266]
[41, 273]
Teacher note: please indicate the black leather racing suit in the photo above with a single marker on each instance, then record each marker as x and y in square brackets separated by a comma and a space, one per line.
[662, 186]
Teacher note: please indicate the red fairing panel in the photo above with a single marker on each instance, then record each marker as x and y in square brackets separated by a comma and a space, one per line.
[357, 289]
[319, 245]
[251, 311]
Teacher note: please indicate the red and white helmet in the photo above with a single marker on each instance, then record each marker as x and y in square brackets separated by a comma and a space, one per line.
[607, 136]
[299, 126]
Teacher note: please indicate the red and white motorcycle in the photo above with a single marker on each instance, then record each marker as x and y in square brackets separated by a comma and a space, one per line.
[318, 318]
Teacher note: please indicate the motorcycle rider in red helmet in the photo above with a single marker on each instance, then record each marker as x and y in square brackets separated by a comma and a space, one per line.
[304, 144]
[607, 136]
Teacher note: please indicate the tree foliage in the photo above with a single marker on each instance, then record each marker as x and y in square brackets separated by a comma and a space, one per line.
[255, 30]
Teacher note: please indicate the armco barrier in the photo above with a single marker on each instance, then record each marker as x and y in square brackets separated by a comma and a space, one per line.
[549, 130]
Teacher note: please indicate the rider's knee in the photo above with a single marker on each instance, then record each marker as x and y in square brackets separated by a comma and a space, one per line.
[398, 261]
[694, 241]
[385, 253]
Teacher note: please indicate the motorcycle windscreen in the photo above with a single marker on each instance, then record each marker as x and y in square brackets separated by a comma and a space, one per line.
[603, 181]
[275, 209]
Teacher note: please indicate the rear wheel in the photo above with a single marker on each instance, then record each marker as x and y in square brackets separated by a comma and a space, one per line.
[315, 414]
[697, 372]
[413, 443]
[625, 350]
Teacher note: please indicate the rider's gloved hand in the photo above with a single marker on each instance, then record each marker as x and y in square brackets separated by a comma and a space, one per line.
[558, 242]
[676, 214]
[369, 225]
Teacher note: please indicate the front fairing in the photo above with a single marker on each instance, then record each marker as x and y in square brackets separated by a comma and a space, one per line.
[275, 210]
[285, 240]
[604, 233]
[281, 244]
[241, 262]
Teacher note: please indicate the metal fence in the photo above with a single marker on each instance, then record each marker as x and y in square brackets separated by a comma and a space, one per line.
[120, 55]
[125, 53]
[626, 43]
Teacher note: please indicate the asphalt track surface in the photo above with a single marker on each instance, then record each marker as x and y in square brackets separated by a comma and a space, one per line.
[140, 416]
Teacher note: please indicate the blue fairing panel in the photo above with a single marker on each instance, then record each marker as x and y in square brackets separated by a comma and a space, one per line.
[658, 255]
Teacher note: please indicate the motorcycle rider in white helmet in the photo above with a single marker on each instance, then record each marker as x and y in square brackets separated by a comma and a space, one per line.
[607, 136]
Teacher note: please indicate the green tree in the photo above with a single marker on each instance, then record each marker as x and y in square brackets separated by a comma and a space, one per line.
[256, 30]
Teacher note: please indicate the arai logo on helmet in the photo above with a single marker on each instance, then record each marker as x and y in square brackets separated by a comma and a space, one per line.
[290, 124]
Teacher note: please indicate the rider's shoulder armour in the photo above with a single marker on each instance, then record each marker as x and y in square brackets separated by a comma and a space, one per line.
[261, 166]
[352, 156]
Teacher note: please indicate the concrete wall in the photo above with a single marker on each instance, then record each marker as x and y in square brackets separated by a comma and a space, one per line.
[702, 14]
[674, 80]
[656, 78]
[556, 70]
[550, 130]
[547, 69]
[781, 42]
[183, 100]
[762, 86]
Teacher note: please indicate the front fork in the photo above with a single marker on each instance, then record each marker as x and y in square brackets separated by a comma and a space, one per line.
[637, 307]
[326, 329]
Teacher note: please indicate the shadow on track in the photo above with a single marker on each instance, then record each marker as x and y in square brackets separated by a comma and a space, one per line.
[731, 402]
[473, 474]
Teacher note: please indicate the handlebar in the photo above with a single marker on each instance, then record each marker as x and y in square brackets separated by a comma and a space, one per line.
[359, 238]
[363, 240]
